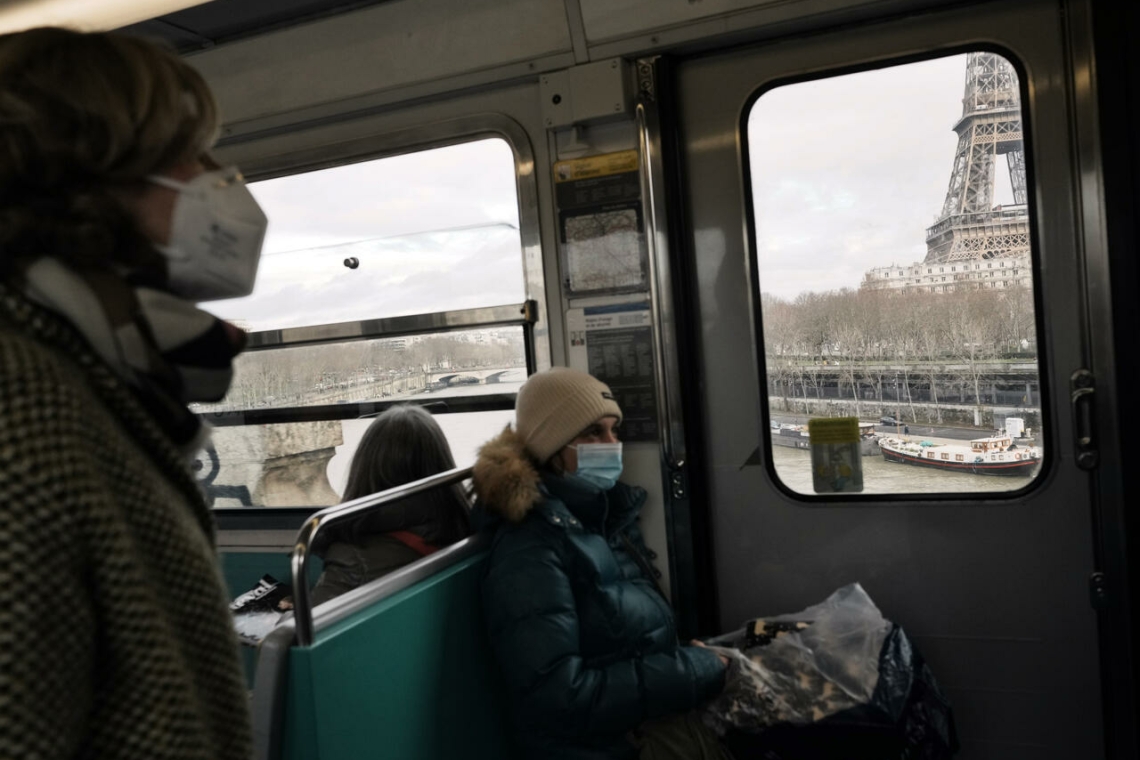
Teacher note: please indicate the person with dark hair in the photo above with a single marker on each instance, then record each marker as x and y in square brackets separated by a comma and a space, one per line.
[582, 634]
[402, 445]
[114, 223]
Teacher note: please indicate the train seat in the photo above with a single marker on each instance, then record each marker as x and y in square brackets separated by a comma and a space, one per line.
[398, 668]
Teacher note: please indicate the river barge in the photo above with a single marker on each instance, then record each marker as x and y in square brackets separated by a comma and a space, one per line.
[994, 455]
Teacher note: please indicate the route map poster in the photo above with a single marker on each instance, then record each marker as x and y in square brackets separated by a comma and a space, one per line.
[615, 345]
[600, 223]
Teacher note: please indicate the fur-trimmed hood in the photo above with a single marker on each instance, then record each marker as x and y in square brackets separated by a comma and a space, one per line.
[505, 478]
[509, 485]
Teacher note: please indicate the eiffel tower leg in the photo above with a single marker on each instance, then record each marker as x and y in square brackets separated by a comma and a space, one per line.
[953, 204]
[1016, 161]
[980, 175]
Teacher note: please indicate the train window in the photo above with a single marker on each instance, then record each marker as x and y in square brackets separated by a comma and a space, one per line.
[417, 368]
[865, 231]
[430, 231]
[429, 237]
[305, 464]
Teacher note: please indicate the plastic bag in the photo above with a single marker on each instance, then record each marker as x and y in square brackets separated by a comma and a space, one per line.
[802, 667]
[836, 680]
[907, 718]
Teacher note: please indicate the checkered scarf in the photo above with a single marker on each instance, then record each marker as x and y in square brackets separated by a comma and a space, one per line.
[167, 349]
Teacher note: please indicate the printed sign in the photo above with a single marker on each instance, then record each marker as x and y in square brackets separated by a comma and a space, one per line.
[600, 222]
[615, 345]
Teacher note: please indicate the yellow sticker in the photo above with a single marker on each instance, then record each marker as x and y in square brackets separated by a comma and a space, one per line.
[834, 430]
[596, 166]
[836, 458]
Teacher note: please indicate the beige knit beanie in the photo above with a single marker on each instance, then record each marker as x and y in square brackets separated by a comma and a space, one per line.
[554, 406]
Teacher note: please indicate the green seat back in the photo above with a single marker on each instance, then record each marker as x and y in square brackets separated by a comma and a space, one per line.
[410, 677]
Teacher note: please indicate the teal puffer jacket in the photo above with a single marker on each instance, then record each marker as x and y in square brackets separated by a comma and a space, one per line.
[586, 644]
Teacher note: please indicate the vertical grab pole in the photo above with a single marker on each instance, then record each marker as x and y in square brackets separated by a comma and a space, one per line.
[302, 603]
[660, 272]
[691, 578]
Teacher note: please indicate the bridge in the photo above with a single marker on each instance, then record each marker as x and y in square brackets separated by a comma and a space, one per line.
[486, 375]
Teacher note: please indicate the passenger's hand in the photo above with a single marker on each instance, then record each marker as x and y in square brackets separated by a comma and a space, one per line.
[702, 645]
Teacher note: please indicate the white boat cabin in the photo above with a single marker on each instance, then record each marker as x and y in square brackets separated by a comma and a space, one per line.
[996, 443]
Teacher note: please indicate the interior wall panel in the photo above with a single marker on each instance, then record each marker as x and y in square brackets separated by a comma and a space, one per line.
[394, 45]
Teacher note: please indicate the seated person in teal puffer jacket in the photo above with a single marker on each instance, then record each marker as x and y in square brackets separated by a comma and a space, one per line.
[585, 641]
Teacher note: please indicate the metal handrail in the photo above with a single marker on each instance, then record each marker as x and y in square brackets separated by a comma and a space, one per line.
[669, 404]
[306, 537]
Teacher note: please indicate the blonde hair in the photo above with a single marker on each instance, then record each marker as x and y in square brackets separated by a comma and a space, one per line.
[82, 114]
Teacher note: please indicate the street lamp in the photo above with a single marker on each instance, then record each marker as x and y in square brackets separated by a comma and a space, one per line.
[898, 402]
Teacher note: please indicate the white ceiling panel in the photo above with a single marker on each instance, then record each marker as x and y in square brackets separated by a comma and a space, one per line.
[610, 19]
[384, 47]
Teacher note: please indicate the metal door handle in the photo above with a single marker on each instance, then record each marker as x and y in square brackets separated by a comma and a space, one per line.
[1082, 397]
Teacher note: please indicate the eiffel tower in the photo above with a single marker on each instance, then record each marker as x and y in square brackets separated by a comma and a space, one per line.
[971, 227]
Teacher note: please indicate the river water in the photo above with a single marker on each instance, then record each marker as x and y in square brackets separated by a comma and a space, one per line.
[882, 477]
[467, 432]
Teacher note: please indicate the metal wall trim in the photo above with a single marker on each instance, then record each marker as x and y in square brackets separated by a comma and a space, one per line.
[1117, 645]
[393, 327]
[356, 410]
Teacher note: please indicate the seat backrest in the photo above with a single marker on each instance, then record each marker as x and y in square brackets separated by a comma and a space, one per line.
[407, 675]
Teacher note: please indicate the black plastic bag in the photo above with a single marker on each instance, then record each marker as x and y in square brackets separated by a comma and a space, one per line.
[907, 718]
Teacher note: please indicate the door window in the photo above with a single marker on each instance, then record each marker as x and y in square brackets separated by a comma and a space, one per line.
[875, 197]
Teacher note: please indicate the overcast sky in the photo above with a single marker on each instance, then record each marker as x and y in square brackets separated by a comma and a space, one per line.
[433, 231]
[848, 172]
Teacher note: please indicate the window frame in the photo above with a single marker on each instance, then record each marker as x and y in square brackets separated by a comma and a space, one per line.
[325, 149]
[1047, 444]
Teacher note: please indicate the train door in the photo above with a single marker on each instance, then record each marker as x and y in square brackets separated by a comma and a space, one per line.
[991, 576]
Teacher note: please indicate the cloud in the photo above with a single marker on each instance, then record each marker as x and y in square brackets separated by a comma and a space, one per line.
[412, 274]
[467, 184]
[848, 172]
[435, 230]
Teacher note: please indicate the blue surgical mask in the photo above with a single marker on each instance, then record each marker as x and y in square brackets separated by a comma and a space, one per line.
[599, 463]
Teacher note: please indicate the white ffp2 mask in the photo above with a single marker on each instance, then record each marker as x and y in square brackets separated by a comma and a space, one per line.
[216, 232]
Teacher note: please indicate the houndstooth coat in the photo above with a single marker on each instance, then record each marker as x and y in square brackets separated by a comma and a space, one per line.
[115, 637]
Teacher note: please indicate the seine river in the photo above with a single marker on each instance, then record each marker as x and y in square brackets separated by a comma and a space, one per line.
[467, 432]
[880, 476]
